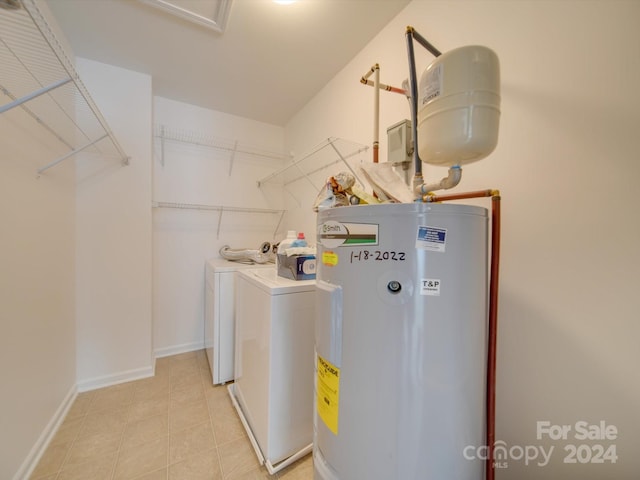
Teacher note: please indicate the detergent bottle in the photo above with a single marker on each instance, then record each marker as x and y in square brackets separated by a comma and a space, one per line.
[300, 241]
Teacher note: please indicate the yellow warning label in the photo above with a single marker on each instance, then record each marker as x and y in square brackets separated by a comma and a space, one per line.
[328, 393]
[329, 258]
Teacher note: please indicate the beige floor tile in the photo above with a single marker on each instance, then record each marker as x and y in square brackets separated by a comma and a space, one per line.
[115, 397]
[92, 447]
[216, 394]
[187, 375]
[254, 474]
[152, 387]
[80, 405]
[143, 431]
[68, 431]
[221, 407]
[202, 466]
[162, 366]
[206, 377]
[189, 378]
[203, 363]
[99, 469]
[301, 470]
[188, 416]
[149, 407]
[190, 441]
[184, 366]
[161, 474]
[186, 394]
[46, 477]
[51, 460]
[121, 432]
[227, 428]
[107, 420]
[143, 459]
[236, 458]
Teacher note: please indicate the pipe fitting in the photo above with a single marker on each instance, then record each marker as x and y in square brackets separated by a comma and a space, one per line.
[450, 181]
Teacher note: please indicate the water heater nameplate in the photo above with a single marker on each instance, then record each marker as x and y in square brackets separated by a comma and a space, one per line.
[332, 234]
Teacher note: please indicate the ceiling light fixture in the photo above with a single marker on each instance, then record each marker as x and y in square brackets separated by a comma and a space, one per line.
[284, 2]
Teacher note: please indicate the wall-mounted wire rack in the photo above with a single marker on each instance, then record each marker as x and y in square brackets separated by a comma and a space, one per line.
[330, 152]
[38, 78]
[221, 209]
[165, 133]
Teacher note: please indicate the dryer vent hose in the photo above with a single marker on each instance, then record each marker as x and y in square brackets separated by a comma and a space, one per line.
[262, 255]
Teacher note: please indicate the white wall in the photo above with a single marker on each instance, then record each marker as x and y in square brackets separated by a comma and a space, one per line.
[37, 344]
[37, 312]
[113, 234]
[183, 239]
[568, 321]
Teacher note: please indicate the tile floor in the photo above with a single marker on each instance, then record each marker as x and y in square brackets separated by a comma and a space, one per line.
[175, 425]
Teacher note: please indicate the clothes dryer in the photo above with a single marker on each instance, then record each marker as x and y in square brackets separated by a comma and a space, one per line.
[219, 321]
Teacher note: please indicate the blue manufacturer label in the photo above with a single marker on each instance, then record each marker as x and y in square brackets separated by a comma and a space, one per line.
[431, 238]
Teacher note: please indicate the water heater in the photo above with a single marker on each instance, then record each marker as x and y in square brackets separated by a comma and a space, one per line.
[401, 338]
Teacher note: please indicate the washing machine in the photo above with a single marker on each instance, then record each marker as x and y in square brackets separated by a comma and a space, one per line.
[219, 322]
[274, 365]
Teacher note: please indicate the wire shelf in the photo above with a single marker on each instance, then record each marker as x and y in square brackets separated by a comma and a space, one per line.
[331, 151]
[164, 132]
[38, 78]
[221, 209]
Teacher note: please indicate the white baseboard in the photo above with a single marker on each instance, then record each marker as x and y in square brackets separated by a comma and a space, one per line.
[115, 379]
[38, 449]
[176, 349]
[136, 374]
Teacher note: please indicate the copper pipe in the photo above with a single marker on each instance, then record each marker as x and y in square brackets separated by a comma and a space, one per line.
[430, 198]
[384, 86]
[492, 333]
[377, 85]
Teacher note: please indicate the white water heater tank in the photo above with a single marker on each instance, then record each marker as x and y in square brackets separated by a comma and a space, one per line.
[401, 342]
[459, 106]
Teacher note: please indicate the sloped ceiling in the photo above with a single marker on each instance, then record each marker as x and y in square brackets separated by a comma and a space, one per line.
[268, 63]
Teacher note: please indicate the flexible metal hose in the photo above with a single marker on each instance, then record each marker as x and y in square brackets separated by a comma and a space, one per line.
[261, 255]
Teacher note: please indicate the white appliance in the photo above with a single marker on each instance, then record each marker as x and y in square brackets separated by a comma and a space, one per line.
[273, 389]
[401, 342]
[219, 322]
